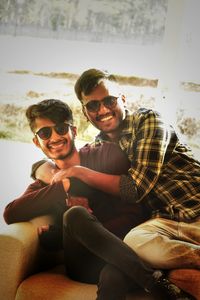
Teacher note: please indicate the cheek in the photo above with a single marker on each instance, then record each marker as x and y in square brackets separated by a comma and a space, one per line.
[43, 145]
[90, 116]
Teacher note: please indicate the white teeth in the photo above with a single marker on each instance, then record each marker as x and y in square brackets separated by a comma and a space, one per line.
[106, 118]
[57, 146]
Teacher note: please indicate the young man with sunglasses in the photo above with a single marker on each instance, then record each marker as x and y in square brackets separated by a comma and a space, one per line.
[91, 250]
[164, 176]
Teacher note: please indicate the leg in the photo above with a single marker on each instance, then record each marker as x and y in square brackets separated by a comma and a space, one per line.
[85, 229]
[80, 263]
[166, 244]
[111, 277]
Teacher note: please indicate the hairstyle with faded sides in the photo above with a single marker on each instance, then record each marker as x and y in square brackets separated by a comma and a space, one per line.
[55, 110]
[89, 80]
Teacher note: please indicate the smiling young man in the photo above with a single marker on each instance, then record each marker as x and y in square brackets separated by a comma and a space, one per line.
[164, 177]
[106, 95]
[93, 248]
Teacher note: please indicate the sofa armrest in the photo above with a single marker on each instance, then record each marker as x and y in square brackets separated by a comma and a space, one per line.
[19, 254]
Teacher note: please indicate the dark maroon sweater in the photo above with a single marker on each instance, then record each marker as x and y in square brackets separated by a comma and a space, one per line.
[40, 199]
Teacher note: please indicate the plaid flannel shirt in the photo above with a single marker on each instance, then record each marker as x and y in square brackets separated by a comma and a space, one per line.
[164, 175]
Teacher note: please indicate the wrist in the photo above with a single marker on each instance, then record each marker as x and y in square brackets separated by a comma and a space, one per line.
[81, 173]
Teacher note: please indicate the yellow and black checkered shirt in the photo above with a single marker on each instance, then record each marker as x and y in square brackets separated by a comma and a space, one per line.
[164, 175]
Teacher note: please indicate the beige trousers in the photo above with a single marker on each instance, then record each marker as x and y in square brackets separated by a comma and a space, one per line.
[167, 244]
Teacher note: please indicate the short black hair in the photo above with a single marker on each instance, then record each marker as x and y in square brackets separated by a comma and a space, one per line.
[55, 110]
[89, 79]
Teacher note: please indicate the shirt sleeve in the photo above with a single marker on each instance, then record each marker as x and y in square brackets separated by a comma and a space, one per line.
[128, 189]
[151, 145]
[38, 199]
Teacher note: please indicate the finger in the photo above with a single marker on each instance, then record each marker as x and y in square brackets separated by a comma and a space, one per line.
[90, 210]
[54, 171]
[55, 178]
[69, 202]
[43, 228]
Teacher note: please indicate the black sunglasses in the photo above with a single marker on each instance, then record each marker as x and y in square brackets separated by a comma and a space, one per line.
[45, 132]
[94, 105]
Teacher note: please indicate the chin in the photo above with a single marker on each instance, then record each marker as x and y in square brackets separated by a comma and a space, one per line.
[60, 156]
[109, 129]
[106, 127]
[57, 155]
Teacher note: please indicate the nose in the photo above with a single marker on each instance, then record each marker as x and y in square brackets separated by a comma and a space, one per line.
[103, 109]
[54, 135]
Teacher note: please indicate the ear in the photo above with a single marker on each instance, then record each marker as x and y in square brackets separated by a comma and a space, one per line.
[74, 131]
[36, 142]
[84, 112]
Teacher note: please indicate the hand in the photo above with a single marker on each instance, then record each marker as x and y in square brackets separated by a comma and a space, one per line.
[66, 184]
[43, 228]
[64, 173]
[78, 201]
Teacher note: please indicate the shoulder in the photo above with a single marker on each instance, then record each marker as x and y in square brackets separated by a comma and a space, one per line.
[142, 115]
[36, 165]
[105, 157]
[101, 149]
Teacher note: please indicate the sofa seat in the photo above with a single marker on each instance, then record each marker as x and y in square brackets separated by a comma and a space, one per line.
[55, 285]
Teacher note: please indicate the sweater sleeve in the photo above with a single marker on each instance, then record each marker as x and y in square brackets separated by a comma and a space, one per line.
[37, 200]
[80, 189]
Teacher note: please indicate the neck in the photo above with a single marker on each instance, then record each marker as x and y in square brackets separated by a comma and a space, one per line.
[113, 136]
[113, 139]
[69, 161]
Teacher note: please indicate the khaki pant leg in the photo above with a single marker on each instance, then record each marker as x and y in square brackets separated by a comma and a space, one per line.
[166, 244]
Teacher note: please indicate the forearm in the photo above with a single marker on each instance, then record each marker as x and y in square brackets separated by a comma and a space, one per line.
[37, 200]
[78, 188]
[128, 189]
[101, 181]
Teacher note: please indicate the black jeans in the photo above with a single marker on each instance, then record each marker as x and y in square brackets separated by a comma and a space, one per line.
[95, 255]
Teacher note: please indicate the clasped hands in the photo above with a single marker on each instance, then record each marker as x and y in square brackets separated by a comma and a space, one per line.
[65, 173]
[50, 174]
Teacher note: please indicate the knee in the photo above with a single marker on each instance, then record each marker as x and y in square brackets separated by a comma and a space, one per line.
[74, 215]
[132, 239]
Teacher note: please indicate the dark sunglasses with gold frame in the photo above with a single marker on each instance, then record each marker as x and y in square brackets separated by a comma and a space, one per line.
[94, 105]
[45, 133]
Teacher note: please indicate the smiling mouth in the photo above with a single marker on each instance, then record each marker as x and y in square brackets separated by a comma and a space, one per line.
[57, 145]
[104, 118]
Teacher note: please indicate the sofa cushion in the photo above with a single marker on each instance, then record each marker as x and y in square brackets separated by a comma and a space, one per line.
[55, 285]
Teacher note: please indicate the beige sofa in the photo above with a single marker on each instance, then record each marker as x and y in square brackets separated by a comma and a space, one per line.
[29, 273]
